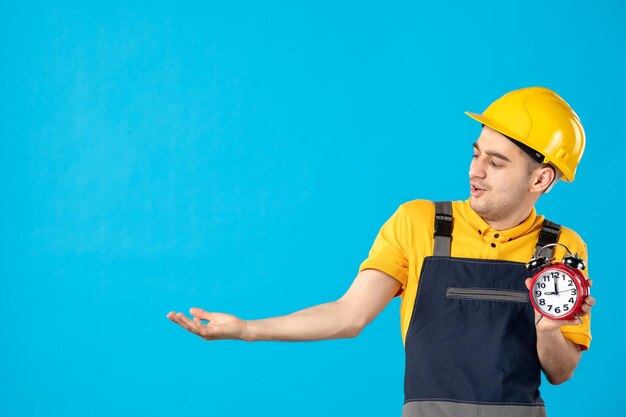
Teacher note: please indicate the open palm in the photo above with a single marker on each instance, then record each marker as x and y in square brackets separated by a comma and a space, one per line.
[219, 326]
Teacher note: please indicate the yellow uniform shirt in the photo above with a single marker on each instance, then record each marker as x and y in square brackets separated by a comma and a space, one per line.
[407, 238]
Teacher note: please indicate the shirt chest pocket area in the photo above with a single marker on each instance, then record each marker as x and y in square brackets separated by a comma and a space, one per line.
[496, 312]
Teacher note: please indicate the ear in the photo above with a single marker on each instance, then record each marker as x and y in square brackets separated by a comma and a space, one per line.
[543, 177]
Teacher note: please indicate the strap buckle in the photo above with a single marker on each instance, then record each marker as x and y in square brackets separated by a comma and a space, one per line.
[443, 224]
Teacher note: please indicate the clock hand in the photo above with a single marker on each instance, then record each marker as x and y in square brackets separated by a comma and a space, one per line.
[556, 289]
[550, 293]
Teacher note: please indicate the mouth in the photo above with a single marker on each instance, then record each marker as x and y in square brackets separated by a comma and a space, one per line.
[476, 189]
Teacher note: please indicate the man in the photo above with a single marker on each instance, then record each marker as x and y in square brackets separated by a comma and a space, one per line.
[473, 346]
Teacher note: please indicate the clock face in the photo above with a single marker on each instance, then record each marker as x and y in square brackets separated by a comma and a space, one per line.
[554, 293]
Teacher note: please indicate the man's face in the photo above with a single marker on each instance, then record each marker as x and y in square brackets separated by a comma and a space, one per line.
[499, 177]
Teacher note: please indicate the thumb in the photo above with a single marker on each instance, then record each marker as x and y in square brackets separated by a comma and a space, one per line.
[527, 282]
[201, 314]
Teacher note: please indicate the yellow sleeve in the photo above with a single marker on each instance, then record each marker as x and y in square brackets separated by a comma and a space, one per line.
[388, 253]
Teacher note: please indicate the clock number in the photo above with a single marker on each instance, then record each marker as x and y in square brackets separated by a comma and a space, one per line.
[555, 275]
[542, 302]
[557, 310]
[571, 284]
[549, 307]
[574, 291]
[546, 278]
[571, 300]
[542, 285]
[565, 307]
[538, 293]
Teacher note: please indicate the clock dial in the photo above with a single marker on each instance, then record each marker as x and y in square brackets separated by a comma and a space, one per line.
[554, 293]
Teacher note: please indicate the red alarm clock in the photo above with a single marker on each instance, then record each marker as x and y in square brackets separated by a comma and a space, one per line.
[558, 289]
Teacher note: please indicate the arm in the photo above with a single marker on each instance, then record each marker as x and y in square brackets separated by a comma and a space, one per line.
[558, 356]
[368, 295]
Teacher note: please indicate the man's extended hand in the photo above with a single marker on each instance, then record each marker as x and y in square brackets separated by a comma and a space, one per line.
[369, 293]
[219, 326]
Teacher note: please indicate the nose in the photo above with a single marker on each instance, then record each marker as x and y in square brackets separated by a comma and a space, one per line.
[476, 168]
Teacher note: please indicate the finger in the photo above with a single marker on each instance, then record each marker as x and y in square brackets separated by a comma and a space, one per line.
[545, 323]
[201, 314]
[569, 322]
[180, 319]
[590, 282]
[174, 317]
[201, 327]
[572, 322]
[586, 309]
[590, 301]
[586, 306]
[186, 323]
[527, 282]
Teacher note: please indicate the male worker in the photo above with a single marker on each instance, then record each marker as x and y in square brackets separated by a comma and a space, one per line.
[468, 352]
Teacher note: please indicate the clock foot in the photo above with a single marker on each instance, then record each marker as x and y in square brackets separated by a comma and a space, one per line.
[578, 318]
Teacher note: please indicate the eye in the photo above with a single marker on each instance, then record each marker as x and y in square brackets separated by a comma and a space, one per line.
[493, 164]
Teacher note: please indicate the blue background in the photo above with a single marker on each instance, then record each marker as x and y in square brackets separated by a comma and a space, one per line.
[241, 157]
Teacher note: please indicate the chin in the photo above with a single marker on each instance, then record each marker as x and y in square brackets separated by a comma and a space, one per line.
[474, 204]
[478, 207]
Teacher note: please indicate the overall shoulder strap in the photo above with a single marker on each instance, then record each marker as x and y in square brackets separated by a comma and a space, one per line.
[550, 232]
[443, 228]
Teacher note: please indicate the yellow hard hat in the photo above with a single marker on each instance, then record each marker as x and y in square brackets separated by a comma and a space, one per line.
[540, 119]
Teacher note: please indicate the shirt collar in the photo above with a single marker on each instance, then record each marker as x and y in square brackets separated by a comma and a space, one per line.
[479, 224]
